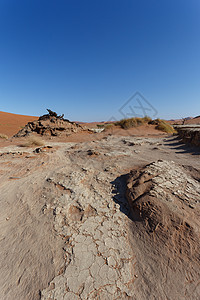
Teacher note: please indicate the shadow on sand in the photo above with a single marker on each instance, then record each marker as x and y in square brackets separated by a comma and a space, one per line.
[175, 142]
[119, 195]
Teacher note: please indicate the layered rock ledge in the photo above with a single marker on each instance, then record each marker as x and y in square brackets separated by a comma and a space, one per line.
[190, 134]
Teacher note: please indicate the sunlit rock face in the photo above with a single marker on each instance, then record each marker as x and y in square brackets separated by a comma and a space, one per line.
[165, 204]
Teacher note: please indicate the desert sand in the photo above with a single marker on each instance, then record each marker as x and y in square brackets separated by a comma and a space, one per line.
[111, 215]
[12, 123]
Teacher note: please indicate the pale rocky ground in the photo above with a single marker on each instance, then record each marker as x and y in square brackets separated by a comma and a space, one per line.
[68, 232]
[165, 204]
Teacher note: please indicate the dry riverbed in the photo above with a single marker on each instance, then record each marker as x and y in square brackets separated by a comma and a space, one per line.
[67, 230]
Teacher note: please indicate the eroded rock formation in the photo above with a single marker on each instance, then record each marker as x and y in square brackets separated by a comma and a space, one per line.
[51, 125]
[190, 134]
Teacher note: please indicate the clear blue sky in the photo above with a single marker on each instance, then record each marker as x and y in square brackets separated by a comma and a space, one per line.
[87, 58]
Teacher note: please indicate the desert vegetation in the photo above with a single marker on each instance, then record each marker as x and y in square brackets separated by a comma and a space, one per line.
[109, 126]
[132, 122]
[135, 122]
[33, 141]
[3, 136]
[163, 126]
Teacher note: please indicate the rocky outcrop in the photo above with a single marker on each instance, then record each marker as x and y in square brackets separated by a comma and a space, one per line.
[51, 125]
[164, 200]
[190, 134]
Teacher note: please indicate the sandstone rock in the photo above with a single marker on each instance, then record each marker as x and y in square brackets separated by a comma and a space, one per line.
[51, 125]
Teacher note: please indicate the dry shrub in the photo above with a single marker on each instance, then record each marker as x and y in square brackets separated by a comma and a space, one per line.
[139, 121]
[135, 122]
[3, 136]
[163, 126]
[33, 141]
[132, 122]
[147, 119]
[109, 126]
[127, 123]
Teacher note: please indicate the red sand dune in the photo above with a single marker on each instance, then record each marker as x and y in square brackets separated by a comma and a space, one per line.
[193, 121]
[12, 123]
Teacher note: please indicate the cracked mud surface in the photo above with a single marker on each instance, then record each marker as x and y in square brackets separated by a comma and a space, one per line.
[67, 229]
